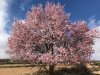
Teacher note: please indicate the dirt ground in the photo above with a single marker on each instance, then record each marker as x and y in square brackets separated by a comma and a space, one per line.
[17, 71]
[94, 68]
[27, 70]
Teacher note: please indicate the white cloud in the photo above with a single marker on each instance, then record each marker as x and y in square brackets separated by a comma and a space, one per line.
[96, 47]
[95, 24]
[3, 21]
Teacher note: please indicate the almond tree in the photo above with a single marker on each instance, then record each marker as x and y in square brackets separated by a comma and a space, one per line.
[47, 36]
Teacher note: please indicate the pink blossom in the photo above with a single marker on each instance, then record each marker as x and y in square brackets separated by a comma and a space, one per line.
[48, 36]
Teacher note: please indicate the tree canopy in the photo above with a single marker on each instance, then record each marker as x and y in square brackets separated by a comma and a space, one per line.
[48, 36]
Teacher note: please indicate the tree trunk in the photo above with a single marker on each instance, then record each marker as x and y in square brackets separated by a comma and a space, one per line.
[51, 70]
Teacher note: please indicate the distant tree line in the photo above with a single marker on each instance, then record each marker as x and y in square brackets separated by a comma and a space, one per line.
[9, 61]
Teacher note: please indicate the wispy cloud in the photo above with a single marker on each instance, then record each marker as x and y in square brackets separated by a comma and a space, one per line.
[93, 22]
[3, 21]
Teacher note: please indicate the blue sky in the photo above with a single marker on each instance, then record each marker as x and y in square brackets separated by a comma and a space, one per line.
[88, 10]
[79, 9]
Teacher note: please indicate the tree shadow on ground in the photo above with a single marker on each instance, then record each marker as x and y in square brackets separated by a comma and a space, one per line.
[77, 70]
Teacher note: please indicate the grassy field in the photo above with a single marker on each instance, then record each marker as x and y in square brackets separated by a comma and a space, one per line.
[27, 69]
